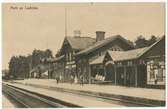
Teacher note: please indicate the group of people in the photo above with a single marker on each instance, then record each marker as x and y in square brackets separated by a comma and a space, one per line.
[73, 79]
[99, 77]
[58, 79]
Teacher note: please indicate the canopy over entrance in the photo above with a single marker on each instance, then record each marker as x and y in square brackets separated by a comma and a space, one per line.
[98, 60]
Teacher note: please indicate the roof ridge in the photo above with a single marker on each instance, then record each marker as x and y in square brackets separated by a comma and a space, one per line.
[80, 37]
[101, 43]
[80, 42]
[138, 48]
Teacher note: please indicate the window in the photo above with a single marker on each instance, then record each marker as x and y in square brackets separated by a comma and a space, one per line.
[79, 61]
[84, 69]
[152, 75]
[156, 70]
[69, 56]
[119, 64]
[79, 69]
[73, 55]
[100, 53]
[103, 52]
[66, 57]
[129, 63]
[111, 49]
[115, 48]
[160, 75]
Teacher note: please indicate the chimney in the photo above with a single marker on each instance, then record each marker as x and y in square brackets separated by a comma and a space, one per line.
[77, 33]
[100, 35]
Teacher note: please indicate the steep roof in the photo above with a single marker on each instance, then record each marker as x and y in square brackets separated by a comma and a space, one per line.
[151, 46]
[80, 43]
[121, 55]
[132, 54]
[127, 55]
[102, 43]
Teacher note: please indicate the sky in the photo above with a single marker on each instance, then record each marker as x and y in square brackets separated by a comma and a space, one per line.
[26, 27]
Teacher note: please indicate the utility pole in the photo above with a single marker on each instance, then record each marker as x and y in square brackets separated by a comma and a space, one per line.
[46, 42]
[65, 22]
[65, 25]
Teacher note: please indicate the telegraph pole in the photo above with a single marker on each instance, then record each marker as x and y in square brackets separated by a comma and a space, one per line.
[65, 22]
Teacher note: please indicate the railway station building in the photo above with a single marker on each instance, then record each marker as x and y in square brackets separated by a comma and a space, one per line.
[66, 64]
[143, 67]
[111, 60]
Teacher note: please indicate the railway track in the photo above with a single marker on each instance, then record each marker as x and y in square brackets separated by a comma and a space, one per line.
[51, 101]
[27, 99]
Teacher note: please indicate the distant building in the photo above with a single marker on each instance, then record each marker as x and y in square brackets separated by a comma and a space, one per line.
[56, 67]
[40, 71]
[5, 73]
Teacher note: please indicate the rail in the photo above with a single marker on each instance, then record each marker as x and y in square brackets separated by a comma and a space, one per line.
[29, 99]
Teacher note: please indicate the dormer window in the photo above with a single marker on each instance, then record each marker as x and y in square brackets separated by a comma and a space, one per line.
[115, 48]
[100, 53]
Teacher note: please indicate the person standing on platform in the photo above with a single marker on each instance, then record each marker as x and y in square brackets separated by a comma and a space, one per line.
[81, 80]
[57, 79]
[72, 79]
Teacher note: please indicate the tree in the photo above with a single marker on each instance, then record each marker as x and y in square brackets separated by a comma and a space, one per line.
[131, 43]
[13, 66]
[48, 53]
[19, 67]
[24, 66]
[38, 55]
[140, 42]
[152, 40]
[58, 53]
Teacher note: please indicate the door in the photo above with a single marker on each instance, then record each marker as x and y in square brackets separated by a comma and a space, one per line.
[120, 75]
[130, 76]
[110, 73]
[142, 75]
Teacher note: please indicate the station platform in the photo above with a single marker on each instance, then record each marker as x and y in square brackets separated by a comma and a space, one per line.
[81, 101]
[133, 93]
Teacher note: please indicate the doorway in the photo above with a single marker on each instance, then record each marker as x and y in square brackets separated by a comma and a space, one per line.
[110, 72]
